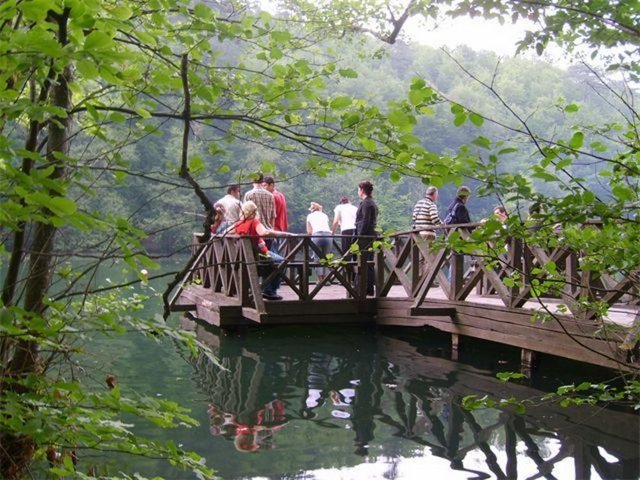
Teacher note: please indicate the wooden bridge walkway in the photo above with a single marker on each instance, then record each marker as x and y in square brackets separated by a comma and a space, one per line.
[417, 284]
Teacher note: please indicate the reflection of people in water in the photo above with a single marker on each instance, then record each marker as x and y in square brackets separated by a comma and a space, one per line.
[347, 384]
[325, 374]
[255, 435]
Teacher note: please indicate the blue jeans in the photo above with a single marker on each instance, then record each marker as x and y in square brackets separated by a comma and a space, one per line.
[271, 287]
[323, 242]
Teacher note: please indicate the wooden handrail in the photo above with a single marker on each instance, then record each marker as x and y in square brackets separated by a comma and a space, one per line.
[513, 274]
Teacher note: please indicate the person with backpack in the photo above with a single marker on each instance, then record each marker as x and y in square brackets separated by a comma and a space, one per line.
[457, 213]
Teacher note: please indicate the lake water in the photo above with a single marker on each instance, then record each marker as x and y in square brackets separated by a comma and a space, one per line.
[352, 402]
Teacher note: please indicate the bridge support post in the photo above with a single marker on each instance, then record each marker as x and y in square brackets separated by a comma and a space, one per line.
[455, 342]
[528, 361]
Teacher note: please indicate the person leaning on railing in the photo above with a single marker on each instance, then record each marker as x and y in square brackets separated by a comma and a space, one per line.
[250, 225]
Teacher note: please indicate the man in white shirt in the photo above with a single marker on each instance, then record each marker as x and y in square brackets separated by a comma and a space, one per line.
[344, 216]
[231, 204]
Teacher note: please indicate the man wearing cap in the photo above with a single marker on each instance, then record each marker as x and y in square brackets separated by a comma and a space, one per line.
[425, 213]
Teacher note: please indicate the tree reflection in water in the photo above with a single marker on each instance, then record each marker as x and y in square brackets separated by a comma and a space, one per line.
[396, 404]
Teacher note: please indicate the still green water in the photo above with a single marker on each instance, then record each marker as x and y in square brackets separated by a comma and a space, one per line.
[339, 402]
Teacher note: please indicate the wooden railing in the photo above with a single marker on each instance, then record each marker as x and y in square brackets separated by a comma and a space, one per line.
[229, 265]
[513, 274]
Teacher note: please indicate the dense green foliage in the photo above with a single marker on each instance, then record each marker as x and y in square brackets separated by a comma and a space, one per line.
[118, 116]
[525, 84]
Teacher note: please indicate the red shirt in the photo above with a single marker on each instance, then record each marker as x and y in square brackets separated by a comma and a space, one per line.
[249, 228]
[280, 222]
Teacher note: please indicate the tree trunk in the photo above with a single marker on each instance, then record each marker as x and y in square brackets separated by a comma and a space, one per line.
[16, 451]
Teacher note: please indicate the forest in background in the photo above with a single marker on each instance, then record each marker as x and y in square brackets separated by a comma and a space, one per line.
[168, 211]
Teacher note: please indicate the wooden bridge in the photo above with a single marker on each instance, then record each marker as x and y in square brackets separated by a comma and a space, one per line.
[421, 283]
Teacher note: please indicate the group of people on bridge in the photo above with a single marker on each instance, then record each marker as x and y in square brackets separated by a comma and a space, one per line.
[262, 215]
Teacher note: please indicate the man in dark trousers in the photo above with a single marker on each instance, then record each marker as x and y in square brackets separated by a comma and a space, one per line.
[366, 218]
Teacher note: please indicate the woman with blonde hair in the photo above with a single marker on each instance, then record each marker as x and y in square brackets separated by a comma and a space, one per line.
[250, 225]
[318, 228]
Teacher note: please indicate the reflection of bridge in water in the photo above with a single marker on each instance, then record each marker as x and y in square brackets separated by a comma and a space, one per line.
[418, 286]
[398, 404]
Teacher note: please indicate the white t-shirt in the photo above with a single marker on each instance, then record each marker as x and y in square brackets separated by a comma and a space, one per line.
[319, 222]
[346, 215]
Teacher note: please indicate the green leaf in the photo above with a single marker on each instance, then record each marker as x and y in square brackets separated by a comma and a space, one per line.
[62, 206]
[122, 12]
[426, 110]
[98, 40]
[399, 118]
[571, 108]
[476, 119]
[416, 97]
[276, 53]
[350, 120]
[368, 144]
[459, 119]
[203, 11]
[456, 109]
[482, 142]
[44, 43]
[340, 103]
[564, 163]
[37, 10]
[577, 140]
[506, 376]
[623, 193]
[418, 84]
[281, 36]
[88, 69]
[348, 73]
[196, 164]
[146, 37]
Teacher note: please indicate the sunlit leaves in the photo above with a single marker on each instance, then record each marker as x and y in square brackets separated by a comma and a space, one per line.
[37, 10]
